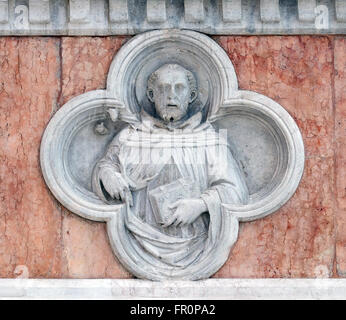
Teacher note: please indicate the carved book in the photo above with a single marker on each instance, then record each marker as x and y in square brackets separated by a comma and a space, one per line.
[164, 196]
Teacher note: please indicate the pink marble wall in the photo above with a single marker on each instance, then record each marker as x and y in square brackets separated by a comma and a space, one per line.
[340, 152]
[306, 238]
[30, 218]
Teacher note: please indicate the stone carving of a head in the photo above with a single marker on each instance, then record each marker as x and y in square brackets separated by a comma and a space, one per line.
[171, 88]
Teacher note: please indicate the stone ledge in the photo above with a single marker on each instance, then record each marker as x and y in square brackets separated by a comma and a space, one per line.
[237, 289]
[123, 17]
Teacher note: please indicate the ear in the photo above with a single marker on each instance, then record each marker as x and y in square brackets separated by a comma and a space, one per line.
[193, 96]
[150, 95]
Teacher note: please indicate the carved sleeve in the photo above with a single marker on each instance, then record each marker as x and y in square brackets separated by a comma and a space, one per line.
[225, 176]
[110, 161]
[111, 157]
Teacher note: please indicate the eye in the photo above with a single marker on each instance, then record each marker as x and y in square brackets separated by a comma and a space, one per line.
[161, 88]
[179, 87]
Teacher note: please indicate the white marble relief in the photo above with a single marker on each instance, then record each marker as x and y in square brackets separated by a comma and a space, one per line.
[172, 155]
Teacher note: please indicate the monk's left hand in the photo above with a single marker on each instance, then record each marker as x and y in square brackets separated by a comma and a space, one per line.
[186, 212]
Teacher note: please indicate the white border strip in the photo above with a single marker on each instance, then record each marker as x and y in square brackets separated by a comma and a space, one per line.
[235, 289]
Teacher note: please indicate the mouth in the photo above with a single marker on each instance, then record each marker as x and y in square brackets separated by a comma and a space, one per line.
[172, 106]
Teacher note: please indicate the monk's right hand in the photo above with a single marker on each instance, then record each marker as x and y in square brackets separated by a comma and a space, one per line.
[116, 185]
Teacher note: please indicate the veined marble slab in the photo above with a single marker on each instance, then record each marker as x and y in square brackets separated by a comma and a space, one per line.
[236, 289]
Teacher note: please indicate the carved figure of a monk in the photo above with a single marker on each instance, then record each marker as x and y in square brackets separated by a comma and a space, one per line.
[147, 159]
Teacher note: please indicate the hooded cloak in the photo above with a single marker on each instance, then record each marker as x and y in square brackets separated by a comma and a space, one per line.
[151, 154]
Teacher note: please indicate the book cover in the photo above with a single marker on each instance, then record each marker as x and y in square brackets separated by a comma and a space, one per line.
[164, 196]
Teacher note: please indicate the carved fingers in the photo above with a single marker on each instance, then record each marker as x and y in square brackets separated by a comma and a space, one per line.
[116, 186]
[179, 216]
[128, 196]
[186, 212]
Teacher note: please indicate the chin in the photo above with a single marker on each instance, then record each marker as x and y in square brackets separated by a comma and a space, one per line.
[171, 117]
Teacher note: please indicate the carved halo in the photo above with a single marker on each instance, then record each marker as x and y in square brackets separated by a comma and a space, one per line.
[257, 127]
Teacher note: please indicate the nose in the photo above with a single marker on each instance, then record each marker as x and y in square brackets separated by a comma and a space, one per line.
[171, 94]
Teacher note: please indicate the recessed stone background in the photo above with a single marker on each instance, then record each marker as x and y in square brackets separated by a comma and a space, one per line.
[306, 238]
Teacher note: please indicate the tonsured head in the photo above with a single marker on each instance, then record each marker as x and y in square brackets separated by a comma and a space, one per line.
[171, 88]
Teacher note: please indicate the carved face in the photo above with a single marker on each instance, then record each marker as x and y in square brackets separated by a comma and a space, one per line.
[171, 88]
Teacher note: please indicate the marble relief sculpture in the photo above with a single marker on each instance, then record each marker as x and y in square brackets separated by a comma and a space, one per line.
[172, 156]
[180, 228]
